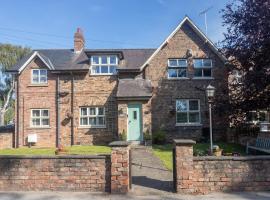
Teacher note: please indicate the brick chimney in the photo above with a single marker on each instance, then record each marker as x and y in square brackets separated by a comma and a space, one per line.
[78, 41]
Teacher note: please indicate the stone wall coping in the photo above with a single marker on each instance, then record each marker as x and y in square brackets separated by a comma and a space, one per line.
[119, 144]
[233, 158]
[103, 156]
[183, 142]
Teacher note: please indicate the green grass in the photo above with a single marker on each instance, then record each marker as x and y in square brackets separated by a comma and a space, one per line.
[82, 150]
[164, 152]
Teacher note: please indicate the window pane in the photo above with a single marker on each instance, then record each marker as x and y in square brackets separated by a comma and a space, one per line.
[100, 111]
[43, 79]
[45, 113]
[83, 111]
[181, 105]
[182, 63]
[36, 122]
[113, 69]
[113, 60]
[207, 62]
[104, 60]
[101, 121]
[84, 121]
[173, 62]
[193, 105]
[104, 69]
[45, 122]
[92, 111]
[198, 73]
[95, 60]
[92, 121]
[182, 73]
[262, 116]
[35, 113]
[194, 117]
[172, 73]
[181, 118]
[207, 72]
[35, 76]
[198, 63]
[96, 69]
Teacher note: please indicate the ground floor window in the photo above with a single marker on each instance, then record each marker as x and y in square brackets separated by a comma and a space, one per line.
[187, 111]
[40, 118]
[92, 116]
[258, 116]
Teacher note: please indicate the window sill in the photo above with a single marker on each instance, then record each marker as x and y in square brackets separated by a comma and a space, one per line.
[203, 78]
[102, 74]
[182, 78]
[34, 127]
[92, 127]
[187, 124]
[38, 85]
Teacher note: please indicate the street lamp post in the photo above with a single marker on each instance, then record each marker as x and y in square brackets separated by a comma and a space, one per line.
[210, 92]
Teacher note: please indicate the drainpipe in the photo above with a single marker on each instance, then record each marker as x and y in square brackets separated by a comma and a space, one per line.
[58, 112]
[16, 135]
[72, 109]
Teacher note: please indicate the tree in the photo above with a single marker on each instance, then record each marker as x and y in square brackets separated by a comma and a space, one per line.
[9, 55]
[247, 45]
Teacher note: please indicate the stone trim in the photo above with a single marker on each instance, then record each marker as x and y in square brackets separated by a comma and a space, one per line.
[240, 158]
[54, 157]
[179, 142]
[119, 144]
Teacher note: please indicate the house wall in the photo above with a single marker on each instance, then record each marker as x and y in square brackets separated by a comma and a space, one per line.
[167, 91]
[35, 96]
[123, 116]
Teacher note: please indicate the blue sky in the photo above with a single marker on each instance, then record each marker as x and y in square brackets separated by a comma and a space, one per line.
[106, 23]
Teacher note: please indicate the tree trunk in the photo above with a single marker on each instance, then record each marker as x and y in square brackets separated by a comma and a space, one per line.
[2, 118]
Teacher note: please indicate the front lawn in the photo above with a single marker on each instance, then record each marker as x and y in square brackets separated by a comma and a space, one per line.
[164, 152]
[82, 150]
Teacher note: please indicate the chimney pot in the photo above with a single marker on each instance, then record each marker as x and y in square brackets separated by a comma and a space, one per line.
[78, 40]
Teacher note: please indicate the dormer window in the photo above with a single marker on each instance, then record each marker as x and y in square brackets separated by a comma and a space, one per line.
[203, 68]
[104, 65]
[177, 68]
[39, 76]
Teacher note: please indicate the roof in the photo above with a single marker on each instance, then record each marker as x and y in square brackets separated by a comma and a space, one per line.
[196, 30]
[67, 59]
[138, 88]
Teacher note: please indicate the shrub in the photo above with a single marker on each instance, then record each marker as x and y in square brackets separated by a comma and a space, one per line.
[146, 135]
[123, 136]
[159, 137]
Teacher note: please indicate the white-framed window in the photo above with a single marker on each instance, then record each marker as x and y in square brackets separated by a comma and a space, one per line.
[92, 116]
[40, 118]
[258, 116]
[188, 111]
[39, 76]
[177, 68]
[104, 65]
[202, 68]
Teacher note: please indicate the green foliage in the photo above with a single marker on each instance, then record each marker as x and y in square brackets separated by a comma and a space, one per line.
[123, 136]
[146, 135]
[159, 137]
[164, 153]
[9, 115]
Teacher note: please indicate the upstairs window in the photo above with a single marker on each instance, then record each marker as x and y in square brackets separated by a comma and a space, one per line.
[177, 68]
[92, 116]
[203, 68]
[39, 76]
[104, 65]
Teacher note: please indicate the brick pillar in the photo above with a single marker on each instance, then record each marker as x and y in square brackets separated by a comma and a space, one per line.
[120, 167]
[184, 165]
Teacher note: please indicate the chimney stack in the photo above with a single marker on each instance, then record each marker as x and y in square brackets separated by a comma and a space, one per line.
[78, 41]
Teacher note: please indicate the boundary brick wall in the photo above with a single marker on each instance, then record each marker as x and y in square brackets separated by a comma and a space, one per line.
[202, 175]
[6, 137]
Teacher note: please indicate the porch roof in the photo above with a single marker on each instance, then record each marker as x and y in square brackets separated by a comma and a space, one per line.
[134, 88]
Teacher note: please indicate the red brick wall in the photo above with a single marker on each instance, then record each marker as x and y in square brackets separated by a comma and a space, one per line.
[64, 173]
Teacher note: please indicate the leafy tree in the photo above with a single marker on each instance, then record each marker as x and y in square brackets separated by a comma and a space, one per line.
[9, 55]
[247, 45]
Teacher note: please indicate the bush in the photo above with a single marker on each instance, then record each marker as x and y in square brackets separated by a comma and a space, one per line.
[159, 137]
[146, 135]
[123, 136]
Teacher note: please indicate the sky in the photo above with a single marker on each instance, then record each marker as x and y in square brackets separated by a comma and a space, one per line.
[43, 24]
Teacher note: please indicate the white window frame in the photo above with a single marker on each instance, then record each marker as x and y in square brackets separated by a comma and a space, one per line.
[202, 68]
[40, 118]
[92, 116]
[100, 64]
[177, 68]
[257, 113]
[188, 111]
[39, 77]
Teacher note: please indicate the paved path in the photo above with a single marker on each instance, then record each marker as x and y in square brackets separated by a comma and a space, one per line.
[149, 176]
[97, 196]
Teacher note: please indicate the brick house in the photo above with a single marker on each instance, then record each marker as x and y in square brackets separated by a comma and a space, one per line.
[90, 96]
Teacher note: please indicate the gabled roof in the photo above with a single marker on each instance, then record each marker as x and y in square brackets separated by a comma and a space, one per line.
[196, 30]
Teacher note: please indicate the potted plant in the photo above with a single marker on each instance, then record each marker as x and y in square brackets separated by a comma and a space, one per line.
[147, 138]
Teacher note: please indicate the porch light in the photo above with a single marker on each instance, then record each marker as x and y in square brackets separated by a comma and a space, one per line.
[210, 91]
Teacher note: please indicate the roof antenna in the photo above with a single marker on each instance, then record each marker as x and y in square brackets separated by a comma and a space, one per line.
[205, 17]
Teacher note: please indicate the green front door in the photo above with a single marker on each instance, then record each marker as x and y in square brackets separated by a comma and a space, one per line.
[134, 122]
